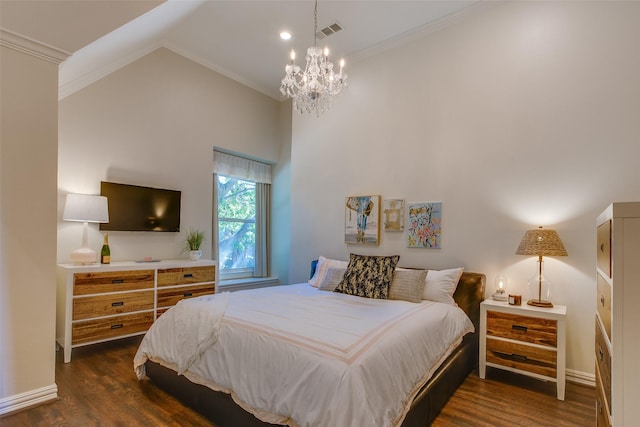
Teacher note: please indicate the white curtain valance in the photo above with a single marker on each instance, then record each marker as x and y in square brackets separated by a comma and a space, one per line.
[241, 168]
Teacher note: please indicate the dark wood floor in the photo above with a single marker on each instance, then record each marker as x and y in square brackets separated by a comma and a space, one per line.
[99, 388]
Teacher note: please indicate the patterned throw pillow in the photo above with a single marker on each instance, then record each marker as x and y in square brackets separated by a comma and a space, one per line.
[368, 276]
[408, 285]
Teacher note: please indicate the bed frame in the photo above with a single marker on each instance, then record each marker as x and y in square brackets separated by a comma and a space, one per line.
[220, 408]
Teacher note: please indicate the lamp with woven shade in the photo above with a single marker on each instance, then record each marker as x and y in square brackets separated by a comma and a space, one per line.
[541, 242]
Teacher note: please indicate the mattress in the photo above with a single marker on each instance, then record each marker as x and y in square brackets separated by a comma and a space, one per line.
[299, 356]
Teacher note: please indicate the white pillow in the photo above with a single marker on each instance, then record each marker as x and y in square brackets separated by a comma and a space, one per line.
[324, 264]
[441, 285]
[332, 279]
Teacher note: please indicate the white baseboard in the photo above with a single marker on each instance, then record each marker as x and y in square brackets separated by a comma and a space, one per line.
[583, 378]
[27, 399]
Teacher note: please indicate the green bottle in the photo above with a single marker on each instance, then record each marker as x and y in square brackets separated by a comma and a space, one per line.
[105, 253]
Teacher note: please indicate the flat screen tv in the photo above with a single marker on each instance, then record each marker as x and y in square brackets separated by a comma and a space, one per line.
[136, 208]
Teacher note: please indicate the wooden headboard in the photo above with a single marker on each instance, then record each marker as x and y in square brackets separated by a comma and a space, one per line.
[469, 294]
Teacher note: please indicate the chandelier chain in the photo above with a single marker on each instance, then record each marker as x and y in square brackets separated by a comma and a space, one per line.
[315, 24]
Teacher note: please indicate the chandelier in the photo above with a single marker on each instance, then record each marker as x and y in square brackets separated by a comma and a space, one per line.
[312, 89]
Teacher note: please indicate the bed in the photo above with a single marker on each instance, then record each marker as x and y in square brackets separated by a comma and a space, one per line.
[221, 374]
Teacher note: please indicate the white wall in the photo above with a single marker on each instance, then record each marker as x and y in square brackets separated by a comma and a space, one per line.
[28, 167]
[521, 115]
[155, 123]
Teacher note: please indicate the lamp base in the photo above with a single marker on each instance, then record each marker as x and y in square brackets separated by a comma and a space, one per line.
[540, 303]
[84, 256]
[499, 296]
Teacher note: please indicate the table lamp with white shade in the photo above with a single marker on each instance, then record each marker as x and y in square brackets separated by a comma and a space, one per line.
[85, 208]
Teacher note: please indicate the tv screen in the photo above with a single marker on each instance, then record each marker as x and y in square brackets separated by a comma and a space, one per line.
[136, 208]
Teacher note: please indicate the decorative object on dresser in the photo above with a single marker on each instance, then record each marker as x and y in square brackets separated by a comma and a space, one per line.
[541, 242]
[192, 242]
[85, 208]
[501, 286]
[617, 348]
[526, 339]
[105, 302]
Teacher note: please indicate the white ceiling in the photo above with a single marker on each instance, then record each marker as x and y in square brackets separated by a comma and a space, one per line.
[238, 38]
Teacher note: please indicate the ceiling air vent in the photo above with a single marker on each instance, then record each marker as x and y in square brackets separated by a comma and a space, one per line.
[328, 30]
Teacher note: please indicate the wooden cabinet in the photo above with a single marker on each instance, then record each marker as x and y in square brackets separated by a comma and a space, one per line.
[97, 303]
[617, 347]
[524, 339]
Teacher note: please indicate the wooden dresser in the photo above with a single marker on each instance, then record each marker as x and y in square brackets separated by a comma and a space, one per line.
[97, 303]
[617, 342]
[524, 339]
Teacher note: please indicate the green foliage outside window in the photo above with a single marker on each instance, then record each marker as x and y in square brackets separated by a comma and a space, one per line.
[236, 223]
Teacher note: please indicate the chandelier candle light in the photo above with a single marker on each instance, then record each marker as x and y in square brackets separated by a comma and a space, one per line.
[541, 242]
[312, 89]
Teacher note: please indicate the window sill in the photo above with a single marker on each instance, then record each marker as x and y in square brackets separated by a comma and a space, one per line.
[232, 285]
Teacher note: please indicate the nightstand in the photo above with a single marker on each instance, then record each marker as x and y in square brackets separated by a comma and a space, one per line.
[524, 339]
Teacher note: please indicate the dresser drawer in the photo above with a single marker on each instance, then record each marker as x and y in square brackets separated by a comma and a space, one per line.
[604, 247]
[112, 281]
[533, 330]
[186, 275]
[110, 327]
[522, 356]
[604, 304]
[603, 362]
[111, 304]
[169, 297]
[603, 412]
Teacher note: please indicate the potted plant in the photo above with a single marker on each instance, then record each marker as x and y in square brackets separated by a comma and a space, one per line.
[192, 242]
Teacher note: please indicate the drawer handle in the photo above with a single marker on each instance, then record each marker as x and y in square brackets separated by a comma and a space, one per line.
[601, 353]
[188, 275]
[116, 281]
[601, 247]
[188, 294]
[519, 357]
[602, 300]
[519, 328]
[117, 326]
[117, 304]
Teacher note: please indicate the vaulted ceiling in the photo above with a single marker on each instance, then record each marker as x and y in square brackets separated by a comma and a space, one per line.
[238, 38]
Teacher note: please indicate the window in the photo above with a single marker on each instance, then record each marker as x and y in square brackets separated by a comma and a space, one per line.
[241, 216]
[236, 225]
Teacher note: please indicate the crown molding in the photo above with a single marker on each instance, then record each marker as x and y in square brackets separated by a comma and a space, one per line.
[32, 47]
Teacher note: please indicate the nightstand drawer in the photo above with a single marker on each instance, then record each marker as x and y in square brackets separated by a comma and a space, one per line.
[110, 327]
[97, 283]
[111, 304]
[521, 356]
[603, 362]
[186, 275]
[533, 330]
[604, 247]
[169, 297]
[604, 304]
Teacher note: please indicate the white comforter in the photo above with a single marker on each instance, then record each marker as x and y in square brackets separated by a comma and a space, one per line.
[303, 357]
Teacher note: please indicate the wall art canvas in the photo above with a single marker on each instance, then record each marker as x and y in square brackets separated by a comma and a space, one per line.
[423, 227]
[393, 214]
[362, 220]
